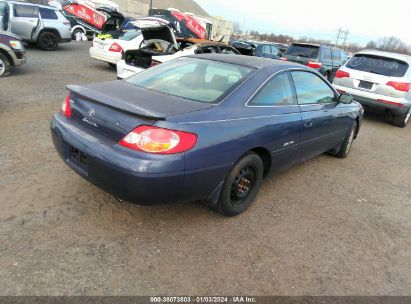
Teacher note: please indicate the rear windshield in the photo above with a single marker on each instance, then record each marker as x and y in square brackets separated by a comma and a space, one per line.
[129, 35]
[378, 65]
[308, 51]
[192, 78]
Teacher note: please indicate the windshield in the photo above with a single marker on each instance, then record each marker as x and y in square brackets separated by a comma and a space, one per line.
[129, 35]
[308, 51]
[378, 65]
[192, 78]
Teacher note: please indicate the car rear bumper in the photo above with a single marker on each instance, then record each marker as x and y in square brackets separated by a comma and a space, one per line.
[124, 70]
[104, 55]
[396, 106]
[130, 177]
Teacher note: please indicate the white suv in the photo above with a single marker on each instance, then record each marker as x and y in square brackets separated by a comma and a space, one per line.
[379, 80]
[38, 24]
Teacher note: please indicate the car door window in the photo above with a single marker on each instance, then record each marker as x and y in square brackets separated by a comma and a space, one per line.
[327, 53]
[277, 92]
[311, 89]
[25, 11]
[266, 49]
[4, 16]
[274, 50]
[336, 55]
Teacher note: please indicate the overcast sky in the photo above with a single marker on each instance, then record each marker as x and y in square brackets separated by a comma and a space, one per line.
[365, 19]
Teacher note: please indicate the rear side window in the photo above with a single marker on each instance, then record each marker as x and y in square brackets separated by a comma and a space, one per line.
[327, 53]
[27, 11]
[48, 14]
[277, 92]
[378, 65]
[301, 50]
[191, 78]
[311, 89]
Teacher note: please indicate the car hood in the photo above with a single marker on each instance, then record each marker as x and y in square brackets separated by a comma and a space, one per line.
[10, 35]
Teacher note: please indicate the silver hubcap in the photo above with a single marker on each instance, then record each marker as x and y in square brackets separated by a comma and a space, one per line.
[350, 140]
[408, 116]
[2, 67]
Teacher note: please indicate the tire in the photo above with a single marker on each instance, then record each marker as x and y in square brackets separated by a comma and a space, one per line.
[241, 186]
[346, 146]
[328, 76]
[401, 120]
[77, 30]
[4, 66]
[111, 65]
[48, 41]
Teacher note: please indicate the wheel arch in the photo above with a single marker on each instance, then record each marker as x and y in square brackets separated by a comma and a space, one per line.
[5, 53]
[265, 156]
[49, 30]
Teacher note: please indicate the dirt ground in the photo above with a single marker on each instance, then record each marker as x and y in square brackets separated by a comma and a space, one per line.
[327, 227]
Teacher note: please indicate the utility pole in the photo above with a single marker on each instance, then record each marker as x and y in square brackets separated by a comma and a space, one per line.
[343, 35]
[151, 5]
[347, 32]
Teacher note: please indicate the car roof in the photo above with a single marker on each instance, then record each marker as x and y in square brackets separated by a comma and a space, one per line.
[406, 58]
[249, 61]
[31, 4]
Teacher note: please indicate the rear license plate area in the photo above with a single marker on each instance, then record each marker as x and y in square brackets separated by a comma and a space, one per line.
[78, 158]
[365, 85]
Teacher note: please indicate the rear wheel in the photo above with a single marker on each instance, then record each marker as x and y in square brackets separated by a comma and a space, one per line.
[241, 186]
[75, 32]
[4, 66]
[48, 41]
[401, 120]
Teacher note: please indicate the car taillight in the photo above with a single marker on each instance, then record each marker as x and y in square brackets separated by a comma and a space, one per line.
[158, 140]
[154, 63]
[66, 107]
[314, 64]
[115, 47]
[341, 74]
[284, 59]
[400, 86]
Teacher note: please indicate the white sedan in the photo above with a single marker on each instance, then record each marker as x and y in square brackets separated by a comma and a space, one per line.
[138, 60]
[109, 48]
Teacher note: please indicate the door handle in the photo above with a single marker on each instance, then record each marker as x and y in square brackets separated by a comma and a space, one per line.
[308, 124]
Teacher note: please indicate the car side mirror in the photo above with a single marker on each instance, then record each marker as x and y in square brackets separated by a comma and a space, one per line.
[345, 98]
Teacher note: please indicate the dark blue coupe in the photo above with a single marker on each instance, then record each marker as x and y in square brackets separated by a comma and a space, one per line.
[206, 127]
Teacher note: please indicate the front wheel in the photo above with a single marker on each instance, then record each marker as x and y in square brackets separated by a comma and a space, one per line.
[402, 120]
[4, 66]
[347, 144]
[241, 186]
[48, 41]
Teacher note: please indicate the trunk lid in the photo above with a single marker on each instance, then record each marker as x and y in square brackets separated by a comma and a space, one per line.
[114, 108]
